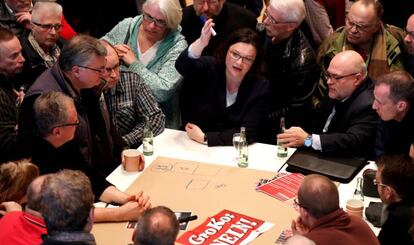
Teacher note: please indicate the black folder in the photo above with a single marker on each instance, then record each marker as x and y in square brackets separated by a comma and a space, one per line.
[342, 169]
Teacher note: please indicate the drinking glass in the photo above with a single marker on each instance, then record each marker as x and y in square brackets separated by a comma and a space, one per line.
[236, 144]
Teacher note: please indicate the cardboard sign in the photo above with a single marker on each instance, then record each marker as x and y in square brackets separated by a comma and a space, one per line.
[226, 227]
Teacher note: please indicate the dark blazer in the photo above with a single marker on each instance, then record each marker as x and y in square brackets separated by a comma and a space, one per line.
[352, 129]
[203, 101]
[231, 18]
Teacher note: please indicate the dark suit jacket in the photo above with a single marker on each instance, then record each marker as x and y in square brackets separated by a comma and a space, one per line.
[203, 101]
[352, 129]
[230, 19]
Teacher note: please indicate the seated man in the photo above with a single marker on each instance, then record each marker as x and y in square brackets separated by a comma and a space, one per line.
[157, 226]
[129, 101]
[11, 64]
[39, 46]
[66, 204]
[320, 218]
[409, 42]
[395, 181]
[227, 17]
[15, 15]
[347, 123]
[394, 98]
[379, 44]
[290, 66]
[17, 227]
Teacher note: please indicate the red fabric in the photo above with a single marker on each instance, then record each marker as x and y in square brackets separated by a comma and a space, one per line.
[335, 10]
[21, 228]
[67, 31]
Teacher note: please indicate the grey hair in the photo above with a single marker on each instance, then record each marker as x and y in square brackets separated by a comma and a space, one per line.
[50, 109]
[290, 10]
[79, 50]
[40, 8]
[171, 10]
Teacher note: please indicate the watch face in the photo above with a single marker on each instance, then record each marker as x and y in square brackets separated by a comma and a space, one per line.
[308, 142]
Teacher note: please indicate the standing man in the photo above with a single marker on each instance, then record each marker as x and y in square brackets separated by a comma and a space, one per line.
[227, 17]
[129, 101]
[394, 97]
[320, 218]
[11, 64]
[347, 123]
[40, 47]
[290, 66]
[15, 15]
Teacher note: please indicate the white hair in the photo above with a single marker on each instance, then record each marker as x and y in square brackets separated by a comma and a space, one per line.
[289, 10]
[40, 8]
[171, 10]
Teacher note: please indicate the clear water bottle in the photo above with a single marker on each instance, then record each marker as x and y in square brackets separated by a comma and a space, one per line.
[282, 150]
[148, 139]
[358, 194]
[243, 149]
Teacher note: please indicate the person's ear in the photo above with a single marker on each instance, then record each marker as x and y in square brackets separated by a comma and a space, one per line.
[89, 222]
[402, 105]
[56, 131]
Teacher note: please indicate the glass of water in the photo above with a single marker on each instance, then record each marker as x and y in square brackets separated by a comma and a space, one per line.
[237, 144]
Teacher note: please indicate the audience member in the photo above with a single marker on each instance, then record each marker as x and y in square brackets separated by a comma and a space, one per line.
[67, 207]
[394, 180]
[149, 45]
[224, 93]
[324, 16]
[227, 18]
[157, 226]
[409, 41]
[394, 96]
[55, 119]
[79, 71]
[39, 47]
[379, 44]
[15, 15]
[11, 64]
[15, 177]
[129, 101]
[22, 228]
[323, 221]
[347, 123]
[291, 66]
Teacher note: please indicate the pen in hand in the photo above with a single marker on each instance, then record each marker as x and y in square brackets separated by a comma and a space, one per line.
[204, 19]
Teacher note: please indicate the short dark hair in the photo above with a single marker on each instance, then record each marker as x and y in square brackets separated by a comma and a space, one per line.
[50, 110]
[320, 188]
[244, 35]
[150, 231]
[79, 50]
[5, 35]
[401, 85]
[66, 201]
[398, 172]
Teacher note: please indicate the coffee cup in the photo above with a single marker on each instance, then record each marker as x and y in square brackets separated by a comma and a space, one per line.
[132, 160]
[355, 207]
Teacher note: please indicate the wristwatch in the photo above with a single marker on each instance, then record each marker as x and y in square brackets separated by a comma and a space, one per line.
[308, 141]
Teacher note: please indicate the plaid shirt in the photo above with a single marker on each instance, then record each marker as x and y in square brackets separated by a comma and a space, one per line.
[129, 102]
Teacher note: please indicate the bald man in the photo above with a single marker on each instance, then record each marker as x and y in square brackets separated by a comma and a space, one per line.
[409, 42]
[347, 123]
[320, 218]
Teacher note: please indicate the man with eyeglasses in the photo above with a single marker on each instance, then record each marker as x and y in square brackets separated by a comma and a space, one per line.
[346, 124]
[380, 45]
[322, 220]
[409, 42]
[228, 17]
[290, 66]
[129, 101]
[395, 181]
[40, 47]
[394, 100]
[15, 15]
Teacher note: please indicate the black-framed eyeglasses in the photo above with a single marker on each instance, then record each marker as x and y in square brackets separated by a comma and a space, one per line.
[111, 69]
[375, 182]
[102, 70]
[358, 26]
[75, 124]
[157, 22]
[269, 17]
[49, 27]
[236, 56]
[297, 204]
[209, 2]
[338, 77]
